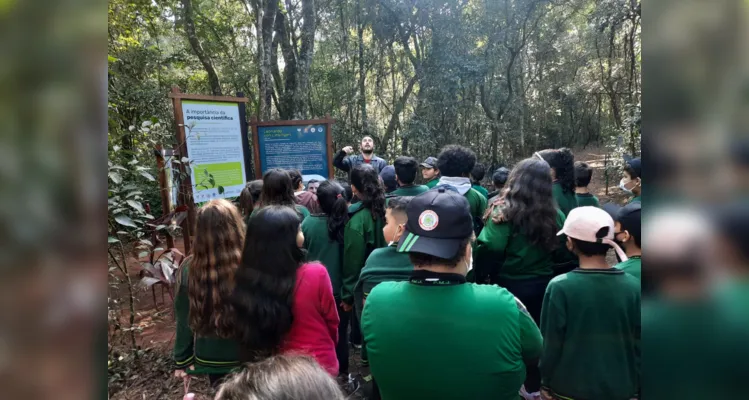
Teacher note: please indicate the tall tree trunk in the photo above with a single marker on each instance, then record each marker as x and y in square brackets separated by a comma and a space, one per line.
[362, 71]
[192, 37]
[288, 85]
[269, 16]
[394, 117]
[306, 54]
[258, 5]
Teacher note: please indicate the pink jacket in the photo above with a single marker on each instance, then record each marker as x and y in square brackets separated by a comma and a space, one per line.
[314, 331]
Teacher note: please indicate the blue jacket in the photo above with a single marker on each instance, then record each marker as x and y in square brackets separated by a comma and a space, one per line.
[347, 164]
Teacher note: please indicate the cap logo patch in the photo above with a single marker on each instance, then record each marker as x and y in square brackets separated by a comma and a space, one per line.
[428, 220]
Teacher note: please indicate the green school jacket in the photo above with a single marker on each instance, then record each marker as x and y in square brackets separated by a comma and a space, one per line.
[458, 341]
[209, 355]
[565, 201]
[632, 266]
[481, 190]
[301, 210]
[587, 199]
[590, 321]
[385, 264]
[500, 247]
[477, 202]
[362, 235]
[320, 248]
[413, 190]
[432, 183]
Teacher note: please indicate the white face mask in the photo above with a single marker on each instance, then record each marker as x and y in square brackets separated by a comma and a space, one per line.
[623, 185]
[469, 263]
[395, 235]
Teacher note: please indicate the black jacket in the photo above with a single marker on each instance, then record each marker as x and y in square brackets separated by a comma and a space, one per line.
[347, 164]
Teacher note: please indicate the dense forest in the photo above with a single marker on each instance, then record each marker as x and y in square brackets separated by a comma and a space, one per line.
[503, 76]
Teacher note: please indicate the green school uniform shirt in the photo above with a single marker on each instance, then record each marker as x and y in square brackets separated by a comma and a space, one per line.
[301, 210]
[362, 235]
[412, 190]
[590, 321]
[209, 355]
[384, 265]
[320, 248]
[477, 202]
[432, 183]
[456, 341]
[636, 199]
[587, 199]
[500, 247]
[481, 190]
[566, 201]
[632, 266]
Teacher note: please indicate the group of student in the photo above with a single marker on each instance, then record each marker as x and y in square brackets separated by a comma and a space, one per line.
[458, 296]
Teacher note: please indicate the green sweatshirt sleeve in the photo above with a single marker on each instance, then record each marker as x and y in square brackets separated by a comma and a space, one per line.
[303, 211]
[553, 317]
[531, 342]
[483, 203]
[489, 250]
[183, 343]
[354, 257]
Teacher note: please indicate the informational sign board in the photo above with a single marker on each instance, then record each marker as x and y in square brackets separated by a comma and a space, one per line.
[213, 132]
[302, 145]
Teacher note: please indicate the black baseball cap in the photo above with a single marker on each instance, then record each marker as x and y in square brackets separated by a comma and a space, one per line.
[388, 178]
[635, 164]
[438, 222]
[430, 162]
[629, 216]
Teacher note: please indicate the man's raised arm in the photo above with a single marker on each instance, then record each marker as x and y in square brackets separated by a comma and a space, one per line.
[341, 160]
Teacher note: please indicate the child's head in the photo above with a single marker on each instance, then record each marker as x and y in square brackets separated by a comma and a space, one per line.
[388, 179]
[348, 194]
[281, 377]
[477, 174]
[265, 279]
[333, 204]
[216, 254]
[429, 169]
[627, 222]
[562, 163]
[456, 161]
[297, 181]
[590, 233]
[499, 178]
[583, 174]
[395, 218]
[631, 180]
[278, 188]
[406, 169]
[529, 203]
[365, 184]
[250, 196]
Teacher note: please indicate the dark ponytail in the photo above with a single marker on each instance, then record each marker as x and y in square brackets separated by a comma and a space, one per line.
[563, 162]
[367, 182]
[332, 199]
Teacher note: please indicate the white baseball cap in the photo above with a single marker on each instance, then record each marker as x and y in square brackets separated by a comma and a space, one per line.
[584, 223]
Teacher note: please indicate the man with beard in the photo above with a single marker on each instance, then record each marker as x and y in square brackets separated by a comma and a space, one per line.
[346, 162]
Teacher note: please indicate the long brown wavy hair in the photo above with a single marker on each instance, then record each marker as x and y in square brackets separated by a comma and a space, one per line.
[217, 251]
